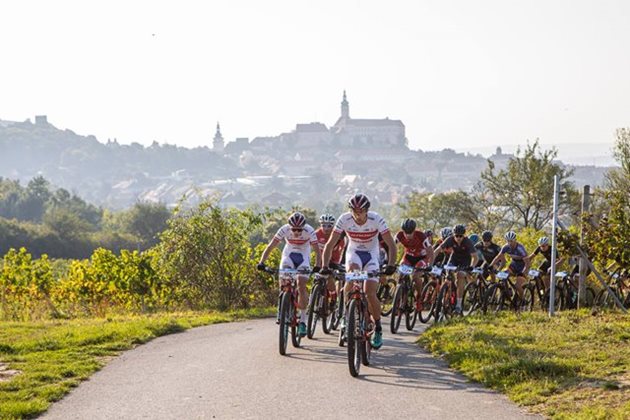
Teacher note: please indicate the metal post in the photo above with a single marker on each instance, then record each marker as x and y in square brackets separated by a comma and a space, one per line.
[554, 246]
[586, 201]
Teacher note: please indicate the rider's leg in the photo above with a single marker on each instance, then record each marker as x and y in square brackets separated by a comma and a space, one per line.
[374, 306]
[330, 283]
[347, 287]
[461, 280]
[545, 279]
[302, 297]
[519, 286]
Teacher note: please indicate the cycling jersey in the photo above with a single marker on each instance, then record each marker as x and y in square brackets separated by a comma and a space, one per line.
[416, 246]
[461, 254]
[547, 254]
[297, 250]
[442, 256]
[363, 244]
[488, 254]
[516, 265]
[337, 252]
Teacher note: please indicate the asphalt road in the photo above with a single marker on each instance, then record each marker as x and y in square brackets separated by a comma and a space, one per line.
[234, 371]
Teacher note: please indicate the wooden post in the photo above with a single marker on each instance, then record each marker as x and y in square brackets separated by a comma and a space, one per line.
[586, 202]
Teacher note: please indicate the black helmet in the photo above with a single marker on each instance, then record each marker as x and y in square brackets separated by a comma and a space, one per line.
[459, 230]
[408, 226]
[358, 202]
[486, 236]
[428, 232]
[297, 220]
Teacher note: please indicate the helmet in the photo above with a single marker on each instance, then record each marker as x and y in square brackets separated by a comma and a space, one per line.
[297, 220]
[486, 236]
[510, 236]
[358, 202]
[446, 232]
[428, 232]
[459, 229]
[474, 238]
[543, 240]
[408, 226]
[327, 218]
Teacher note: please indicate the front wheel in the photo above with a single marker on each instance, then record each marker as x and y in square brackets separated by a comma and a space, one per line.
[470, 299]
[410, 310]
[385, 294]
[493, 300]
[285, 322]
[328, 322]
[295, 337]
[444, 307]
[427, 302]
[397, 310]
[354, 338]
[313, 311]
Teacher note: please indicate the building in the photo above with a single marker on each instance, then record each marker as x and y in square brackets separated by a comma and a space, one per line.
[217, 142]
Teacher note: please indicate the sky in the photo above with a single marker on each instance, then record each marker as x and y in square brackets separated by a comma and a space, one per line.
[459, 74]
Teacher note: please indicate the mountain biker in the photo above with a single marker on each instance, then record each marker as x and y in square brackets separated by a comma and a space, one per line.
[464, 255]
[300, 238]
[488, 251]
[545, 249]
[440, 257]
[326, 224]
[518, 264]
[362, 228]
[418, 251]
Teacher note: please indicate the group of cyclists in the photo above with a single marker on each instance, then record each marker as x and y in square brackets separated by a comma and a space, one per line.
[360, 240]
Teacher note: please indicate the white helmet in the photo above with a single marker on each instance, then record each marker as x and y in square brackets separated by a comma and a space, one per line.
[327, 218]
[543, 241]
[510, 236]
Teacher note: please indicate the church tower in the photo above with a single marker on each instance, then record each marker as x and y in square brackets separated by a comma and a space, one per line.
[217, 142]
[345, 107]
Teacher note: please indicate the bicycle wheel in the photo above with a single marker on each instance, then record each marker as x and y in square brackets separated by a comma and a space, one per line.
[605, 299]
[590, 297]
[329, 320]
[544, 303]
[313, 311]
[295, 337]
[410, 310]
[339, 310]
[397, 310]
[385, 294]
[364, 344]
[470, 299]
[354, 339]
[527, 300]
[285, 322]
[493, 301]
[444, 308]
[427, 302]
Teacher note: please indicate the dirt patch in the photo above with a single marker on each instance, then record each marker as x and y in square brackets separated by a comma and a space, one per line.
[6, 374]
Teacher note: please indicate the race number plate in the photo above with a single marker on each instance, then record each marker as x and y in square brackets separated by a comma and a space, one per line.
[477, 270]
[357, 276]
[534, 273]
[450, 267]
[405, 270]
[502, 275]
[436, 271]
[561, 274]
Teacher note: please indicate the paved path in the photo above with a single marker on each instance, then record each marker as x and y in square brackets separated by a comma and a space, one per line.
[234, 371]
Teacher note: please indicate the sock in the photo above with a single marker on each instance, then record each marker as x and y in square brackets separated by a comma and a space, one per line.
[459, 303]
[377, 326]
[303, 316]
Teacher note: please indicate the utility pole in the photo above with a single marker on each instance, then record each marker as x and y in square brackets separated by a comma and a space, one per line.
[586, 203]
[554, 246]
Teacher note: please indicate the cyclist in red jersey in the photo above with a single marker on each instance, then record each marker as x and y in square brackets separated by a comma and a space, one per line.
[326, 224]
[418, 250]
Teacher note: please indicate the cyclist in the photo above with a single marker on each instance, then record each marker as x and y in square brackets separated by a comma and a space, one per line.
[418, 251]
[300, 238]
[518, 264]
[544, 248]
[463, 254]
[429, 234]
[362, 228]
[488, 251]
[439, 257]
[326, 224]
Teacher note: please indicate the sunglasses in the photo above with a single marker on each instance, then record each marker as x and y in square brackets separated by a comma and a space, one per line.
[296, 229]
[459, 236]
[327, 225]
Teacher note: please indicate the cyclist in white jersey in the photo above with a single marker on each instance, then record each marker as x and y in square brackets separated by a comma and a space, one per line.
[362, 228]
[300, 239]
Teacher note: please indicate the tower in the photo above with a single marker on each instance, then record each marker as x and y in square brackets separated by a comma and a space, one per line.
[345, 107]
[217, 142]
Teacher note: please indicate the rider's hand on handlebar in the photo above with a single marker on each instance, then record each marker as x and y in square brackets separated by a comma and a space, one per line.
[324, 271]
[317, 269]
[389, 270]
[261, 267]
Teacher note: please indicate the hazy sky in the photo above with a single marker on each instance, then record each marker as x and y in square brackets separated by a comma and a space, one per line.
[457, 73]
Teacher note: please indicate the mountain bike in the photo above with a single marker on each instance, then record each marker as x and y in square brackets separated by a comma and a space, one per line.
[447, 295]
[336, 313]
[359, 327]
[405, 302]
[620, 287]
[428, 297]
[502, 294]
[321, 305]
[385, 295]
[288, 306]
[474, 292]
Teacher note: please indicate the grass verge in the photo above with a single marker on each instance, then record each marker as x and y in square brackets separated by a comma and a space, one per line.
[55, 356]
[574, 365]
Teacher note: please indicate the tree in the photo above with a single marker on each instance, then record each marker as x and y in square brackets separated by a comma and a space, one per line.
[525, 186]
[147, 221]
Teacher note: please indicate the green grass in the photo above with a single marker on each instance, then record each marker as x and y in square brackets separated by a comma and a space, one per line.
[55, 356]
[575, 365]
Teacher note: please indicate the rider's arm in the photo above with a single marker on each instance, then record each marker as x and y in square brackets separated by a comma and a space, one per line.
[430, 253]
[270, 247]
[436, 251]
[328, 248]
[497, 258]
[391, 245]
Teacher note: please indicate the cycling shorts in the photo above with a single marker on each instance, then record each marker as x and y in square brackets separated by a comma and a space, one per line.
[295, 260]
[366, 260]
[517, 269]
[414, 261]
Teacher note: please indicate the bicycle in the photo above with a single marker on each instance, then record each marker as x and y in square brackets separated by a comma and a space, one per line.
[321, 305]
[474, 292]
[503, 293]
[567, 291]
[619, 288]
[405, 302]
[288, 307]
[385, 295]
[447, 295]
[338, 310]
[428, 296]
[359, 327]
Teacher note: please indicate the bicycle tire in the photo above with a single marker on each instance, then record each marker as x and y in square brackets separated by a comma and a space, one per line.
[295, 337]
[397, 311]
[313, 311]
[427, 302]
[354, 352]
[411, 316]
[470, 299]
[285, 322]
[331, 310]
[493, 300]
[364, 344]
[528, 297]
[445, 310]
[385, 294]
[340, 307]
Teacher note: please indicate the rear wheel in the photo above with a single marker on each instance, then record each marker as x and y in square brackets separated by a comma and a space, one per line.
[427, 302]
[385, 294]
[605, 299]
[313, 311]
[397, 310]
[285, 322]
[354, 343]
